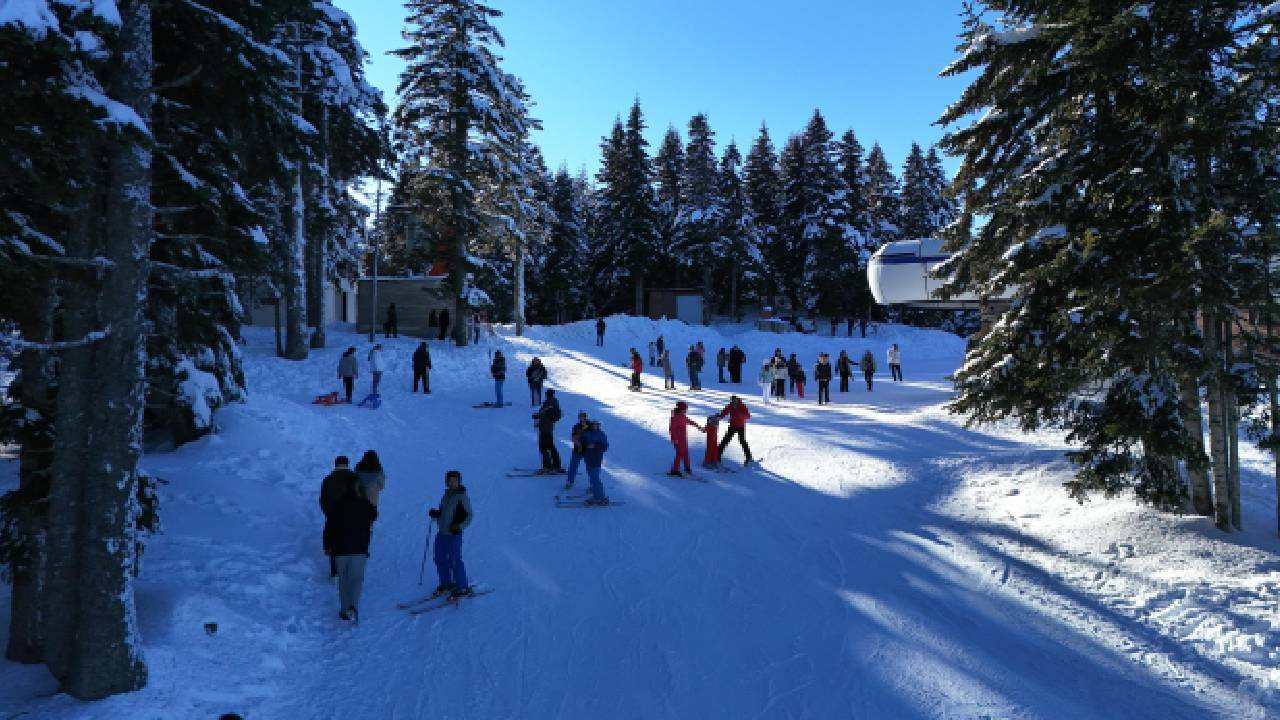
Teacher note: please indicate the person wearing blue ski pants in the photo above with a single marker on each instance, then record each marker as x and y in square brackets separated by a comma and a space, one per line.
[574, 460]
[497, 388]
[448, 557]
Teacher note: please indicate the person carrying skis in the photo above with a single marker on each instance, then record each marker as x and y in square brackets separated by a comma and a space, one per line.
[376, 366]
[766, 381]
[668, 375]
[895, 362]
[575, 438]
[371, 477]
[536, 374]
[844, 368]
[736, 360]
[868, 366]
[422, 368]
[822, 374]
[351, 518]
[594, 443]
[738, 415]
[693, 362]
[391, 327]
[600, 332]
[721, 359]
[335, 485]
[678, 428]
[348, 371]
[637, 367]
[452, 516]
[546, 418]
[498, 369]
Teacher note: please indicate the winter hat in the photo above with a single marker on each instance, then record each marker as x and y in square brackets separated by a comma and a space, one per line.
[713, 419]
[682, 405]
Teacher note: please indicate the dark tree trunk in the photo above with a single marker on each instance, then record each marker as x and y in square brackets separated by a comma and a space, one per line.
[293, 282]
[1193, 421]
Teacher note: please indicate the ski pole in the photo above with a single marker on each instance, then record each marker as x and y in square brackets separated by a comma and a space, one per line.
[426, 546]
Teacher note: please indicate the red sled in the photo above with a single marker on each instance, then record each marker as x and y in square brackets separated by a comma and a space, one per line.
[330, 399]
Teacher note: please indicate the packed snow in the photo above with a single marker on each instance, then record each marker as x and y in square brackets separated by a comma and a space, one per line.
[884, 561]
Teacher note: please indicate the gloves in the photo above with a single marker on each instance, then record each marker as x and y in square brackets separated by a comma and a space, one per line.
[433, 512]
[456, 529]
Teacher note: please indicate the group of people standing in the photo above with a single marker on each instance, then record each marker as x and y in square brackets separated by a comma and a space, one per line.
[780, 376]
[437, 321]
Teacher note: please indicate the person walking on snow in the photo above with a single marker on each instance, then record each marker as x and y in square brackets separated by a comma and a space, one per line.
[371, 477]
[575, 439]
[653, 357]
[844, 368]
[594, 443]
[678, 428]
[660, 345]
[352, 519]
[736, 360]
[600, 332]
[422, 368]
[693, 362]
[376, 366]
[452, 516]
[895, 362]
[721, 359]
[766, 381]
[793, 371]
[779, 378]
[637, 367]
[348, 371]
[536, 374]
[546, 418]
[868, 367]
[391, 327]
[800, 381]
[738, 415]
[822, 374]
[336, 484]
[668, 375]
[498, 369]
[702, 351]
[711, 459]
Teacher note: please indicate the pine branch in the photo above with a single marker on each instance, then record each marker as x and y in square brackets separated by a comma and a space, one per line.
[14, 345]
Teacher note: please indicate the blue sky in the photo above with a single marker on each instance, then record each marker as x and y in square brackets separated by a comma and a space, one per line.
[869, 66]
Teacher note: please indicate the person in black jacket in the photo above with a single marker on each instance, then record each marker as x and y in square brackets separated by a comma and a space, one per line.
[736, 360]
[600, 332]
[536, 374]
[453, 515]
[822, 374]
[444, 323]
[498, 371]
[421, 368]
[546, 419]
[721, 358]
[351, 518]
[793, 372]
[844, 368]
[392, 327]
[335, 485]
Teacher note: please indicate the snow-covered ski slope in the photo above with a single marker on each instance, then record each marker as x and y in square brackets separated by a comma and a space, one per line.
[885, 562]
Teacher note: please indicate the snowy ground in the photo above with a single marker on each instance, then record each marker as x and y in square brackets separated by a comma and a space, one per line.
[885, 563]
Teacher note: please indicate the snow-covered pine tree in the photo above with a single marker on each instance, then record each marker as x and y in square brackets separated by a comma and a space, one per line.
[740, 238]
[857, 298]
[698, 226]
[827, 222]
[627, 209]
[668, 168]
[916, 212]
[559, 294]
[884, 214]
[763, 188]
[457, 106]
[1114, 210]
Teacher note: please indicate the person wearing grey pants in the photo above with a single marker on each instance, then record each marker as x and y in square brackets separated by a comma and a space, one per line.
[351, 525]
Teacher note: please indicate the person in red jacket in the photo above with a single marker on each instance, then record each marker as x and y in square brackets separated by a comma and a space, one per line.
[680, 438]
[637, 367]
[711, 460]
[738, 415]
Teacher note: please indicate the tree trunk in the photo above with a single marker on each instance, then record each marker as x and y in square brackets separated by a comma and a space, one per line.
[294, 285]
[1193, 421]
[90, 624]
[1217, 422]
[321, 244]
[35, 392]
[519, 289]
[639, 285]
[1232, 409]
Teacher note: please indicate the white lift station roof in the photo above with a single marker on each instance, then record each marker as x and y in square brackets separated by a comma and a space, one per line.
[899, 274]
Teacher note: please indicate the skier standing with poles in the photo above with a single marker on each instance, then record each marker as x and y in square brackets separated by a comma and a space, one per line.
[453, 515]
[594, 443]
[546, 419]
[498, 370]
[575, 436]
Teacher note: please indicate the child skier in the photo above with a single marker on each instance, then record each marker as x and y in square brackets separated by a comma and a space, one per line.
[711, 460]
[678, 428]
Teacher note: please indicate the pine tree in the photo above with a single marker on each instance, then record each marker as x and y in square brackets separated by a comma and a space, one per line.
[884, 209]
[699, 224]
[763, 188]
[559, 294]
[739, 235]
[857, 298]
[627, 208]
[668, 169]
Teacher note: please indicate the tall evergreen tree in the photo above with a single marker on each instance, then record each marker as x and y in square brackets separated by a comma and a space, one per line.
[763, 188]
[560, 294]
[740, 236]
[699, 224]
[884, 213]
[627, 206]
[857, 299]
[668, 168]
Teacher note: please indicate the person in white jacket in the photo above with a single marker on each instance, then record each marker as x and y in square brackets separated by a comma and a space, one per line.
[376, 366]
[895, 362]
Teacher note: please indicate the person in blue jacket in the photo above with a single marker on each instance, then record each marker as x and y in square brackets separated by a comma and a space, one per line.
[452, 516]
[594, 443]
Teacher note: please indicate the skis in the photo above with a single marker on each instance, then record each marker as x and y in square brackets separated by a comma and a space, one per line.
[578, 501]
[689, 476]
[534, 472]
[492, 405]
[436, 602]
[719, 469]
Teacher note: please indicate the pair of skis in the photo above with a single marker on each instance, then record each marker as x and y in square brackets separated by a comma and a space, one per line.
[492, 405]
[534, 472]
[434, 602]
[580, 501]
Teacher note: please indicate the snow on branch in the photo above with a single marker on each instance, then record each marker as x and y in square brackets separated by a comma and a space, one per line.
[117, 113]
[33, 16]
[12, 344]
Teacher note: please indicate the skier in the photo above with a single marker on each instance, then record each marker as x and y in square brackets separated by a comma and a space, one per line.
[422, 368]
[637, 367]
[702, 351]
[444, 323]
[738, 415]
[895, 362]
[822, 374]
[391, 328]
[793, 371]
[721, 358]
[736, 359]
[711, 459]
[375, 366]
[677, 428]
[575, 437]
[371, 477]
[868, 367]
[800, 381]
[653, 358]
[336, 484]
[600, 332]
[660, 345]
[348, 371]
[351, 519]
[453, 515]
[668, 375]
[535, 374]
[546, 418]
[693, 362]
[766, 381]
[844, 368]
[498, 369]
[779, 378]
[594, 443]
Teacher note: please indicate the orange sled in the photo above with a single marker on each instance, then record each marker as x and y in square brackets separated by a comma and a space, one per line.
[329, 399]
